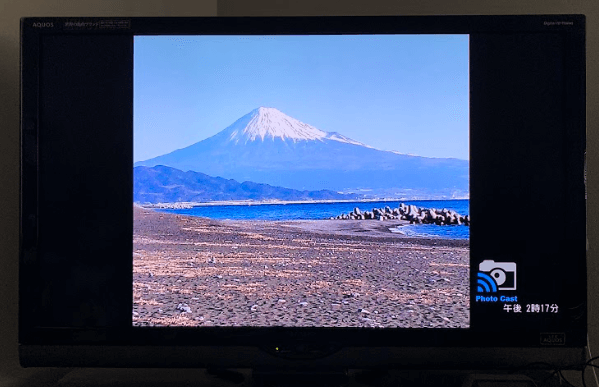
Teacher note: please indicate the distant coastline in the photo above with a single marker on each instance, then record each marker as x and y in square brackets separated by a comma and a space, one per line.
[185, 205]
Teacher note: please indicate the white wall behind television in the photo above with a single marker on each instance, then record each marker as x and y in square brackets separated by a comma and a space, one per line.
[12, 10]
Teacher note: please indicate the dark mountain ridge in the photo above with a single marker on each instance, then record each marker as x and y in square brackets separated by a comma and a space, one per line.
[162, 184]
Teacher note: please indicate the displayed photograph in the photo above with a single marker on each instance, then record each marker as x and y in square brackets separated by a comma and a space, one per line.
[301, 181]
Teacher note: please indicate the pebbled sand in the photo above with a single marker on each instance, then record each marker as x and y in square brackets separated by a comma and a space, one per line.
[329, 273]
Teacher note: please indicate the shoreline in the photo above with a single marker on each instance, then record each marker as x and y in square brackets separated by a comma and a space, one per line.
[355, 228]
[187, 205]
[374, 228]
[388, 229]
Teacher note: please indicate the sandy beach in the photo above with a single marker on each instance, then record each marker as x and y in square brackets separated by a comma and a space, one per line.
[191, 271]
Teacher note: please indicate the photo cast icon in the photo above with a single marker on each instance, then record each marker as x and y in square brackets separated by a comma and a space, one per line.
[494, 276]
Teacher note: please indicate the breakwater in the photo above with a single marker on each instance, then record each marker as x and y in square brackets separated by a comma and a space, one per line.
[411, 213]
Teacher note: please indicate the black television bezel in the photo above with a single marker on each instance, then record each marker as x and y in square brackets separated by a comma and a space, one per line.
[134, 346]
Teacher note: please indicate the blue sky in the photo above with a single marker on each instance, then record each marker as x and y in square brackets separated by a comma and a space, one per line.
[407, 93]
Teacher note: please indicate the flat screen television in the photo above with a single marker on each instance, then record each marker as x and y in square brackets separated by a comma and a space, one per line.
[303, 192]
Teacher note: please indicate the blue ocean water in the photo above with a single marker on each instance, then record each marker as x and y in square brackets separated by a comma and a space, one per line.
[313, 211]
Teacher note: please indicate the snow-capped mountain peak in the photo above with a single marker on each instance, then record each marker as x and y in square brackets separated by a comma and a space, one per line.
[270, 123]
[268, 147]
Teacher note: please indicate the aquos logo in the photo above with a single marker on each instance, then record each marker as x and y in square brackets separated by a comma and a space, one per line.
[43, 25]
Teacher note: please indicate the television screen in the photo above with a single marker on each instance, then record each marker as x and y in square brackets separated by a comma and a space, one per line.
[262, 190]
[301, 181]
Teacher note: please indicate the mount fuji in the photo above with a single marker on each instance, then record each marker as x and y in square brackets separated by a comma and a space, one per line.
[267, 146]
